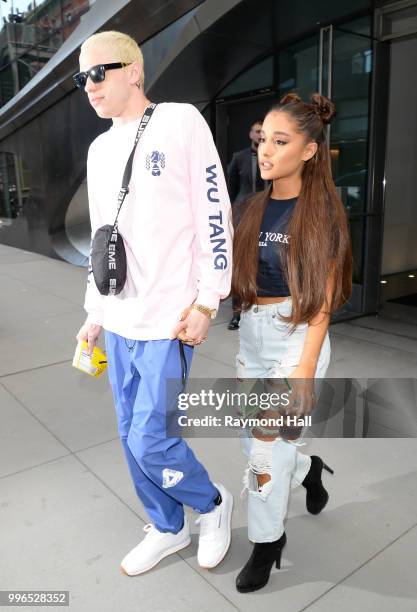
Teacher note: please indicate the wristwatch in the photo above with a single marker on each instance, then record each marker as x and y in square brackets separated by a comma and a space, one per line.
[210, 312]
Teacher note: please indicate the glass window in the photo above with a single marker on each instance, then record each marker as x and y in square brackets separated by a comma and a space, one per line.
[351, 73]
[352, 63]
[399, 21]
[27, 66]
[359, 26]
[13, 187]
[298, 67]
[7, 84]
[257, 77]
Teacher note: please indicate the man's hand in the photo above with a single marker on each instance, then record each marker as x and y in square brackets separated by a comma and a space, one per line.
[192, 327]
[89, 333]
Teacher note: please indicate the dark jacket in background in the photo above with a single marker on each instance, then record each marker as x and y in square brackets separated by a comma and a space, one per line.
[240, 179]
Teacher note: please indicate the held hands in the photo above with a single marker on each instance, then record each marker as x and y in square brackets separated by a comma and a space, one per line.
[192, 327]
[89, 333]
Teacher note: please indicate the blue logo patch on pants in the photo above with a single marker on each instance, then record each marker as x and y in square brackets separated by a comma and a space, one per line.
[170, 478]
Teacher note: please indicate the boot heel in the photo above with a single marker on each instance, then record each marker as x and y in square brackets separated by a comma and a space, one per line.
[329, 469]
[255, 573]
[278, 559]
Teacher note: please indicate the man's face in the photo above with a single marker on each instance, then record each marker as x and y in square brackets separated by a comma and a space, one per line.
[255, 133]
[110, 97]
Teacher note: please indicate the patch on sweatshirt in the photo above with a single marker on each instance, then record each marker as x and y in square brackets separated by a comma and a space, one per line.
[155, 162]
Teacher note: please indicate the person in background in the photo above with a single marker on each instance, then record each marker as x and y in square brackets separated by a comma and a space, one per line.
[244, 179]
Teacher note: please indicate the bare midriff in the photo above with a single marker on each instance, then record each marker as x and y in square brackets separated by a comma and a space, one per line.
[270, 300]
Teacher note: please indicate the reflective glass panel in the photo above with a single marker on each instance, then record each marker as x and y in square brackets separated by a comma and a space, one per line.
[298, 67]
[255, 78]
[352, 66]
[14, 187]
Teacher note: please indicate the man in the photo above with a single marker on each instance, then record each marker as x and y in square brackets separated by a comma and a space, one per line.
[244, 179]
[176, 226]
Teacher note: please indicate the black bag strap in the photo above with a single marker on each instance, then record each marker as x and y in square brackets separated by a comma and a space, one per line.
[128, 170]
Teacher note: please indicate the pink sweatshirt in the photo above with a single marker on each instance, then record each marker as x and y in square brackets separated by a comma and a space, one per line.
[175, 221]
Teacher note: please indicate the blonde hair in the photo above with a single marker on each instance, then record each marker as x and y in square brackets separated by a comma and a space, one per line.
[126, 48]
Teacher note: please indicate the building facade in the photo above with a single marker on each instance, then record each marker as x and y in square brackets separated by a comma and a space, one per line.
[242, 55]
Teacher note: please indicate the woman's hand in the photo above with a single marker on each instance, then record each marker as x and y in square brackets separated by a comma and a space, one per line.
[302, 396]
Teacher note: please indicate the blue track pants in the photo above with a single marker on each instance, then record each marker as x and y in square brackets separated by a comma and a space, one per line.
[165, 471]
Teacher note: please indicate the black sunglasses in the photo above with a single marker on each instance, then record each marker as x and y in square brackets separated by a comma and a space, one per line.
[97, 73]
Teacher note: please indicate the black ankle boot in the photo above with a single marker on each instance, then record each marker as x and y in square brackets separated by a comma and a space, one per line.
[255, 574]
[234, 321]
[317, 496]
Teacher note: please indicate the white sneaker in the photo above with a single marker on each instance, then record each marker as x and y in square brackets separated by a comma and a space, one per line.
[215, 531]
[154, 547]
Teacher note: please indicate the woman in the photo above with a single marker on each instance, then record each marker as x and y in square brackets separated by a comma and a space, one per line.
[292, 269]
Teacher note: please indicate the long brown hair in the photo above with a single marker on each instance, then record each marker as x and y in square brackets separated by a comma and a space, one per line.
[319, 249]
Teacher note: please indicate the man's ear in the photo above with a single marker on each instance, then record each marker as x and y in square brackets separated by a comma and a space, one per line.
[135, 73]
[310, 150]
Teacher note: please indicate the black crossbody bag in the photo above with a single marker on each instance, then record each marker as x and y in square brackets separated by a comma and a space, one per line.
[108, 254]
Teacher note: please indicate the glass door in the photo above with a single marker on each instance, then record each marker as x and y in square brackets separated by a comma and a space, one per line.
[298, 67]
[337, 62]
[347, 76]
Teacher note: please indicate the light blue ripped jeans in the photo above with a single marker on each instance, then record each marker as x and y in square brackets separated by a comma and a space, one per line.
[267, 350]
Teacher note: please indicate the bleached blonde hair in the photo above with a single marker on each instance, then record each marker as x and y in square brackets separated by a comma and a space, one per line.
[125, 47]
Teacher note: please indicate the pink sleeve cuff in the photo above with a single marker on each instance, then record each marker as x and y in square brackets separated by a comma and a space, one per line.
[209, 299]
[95, 318]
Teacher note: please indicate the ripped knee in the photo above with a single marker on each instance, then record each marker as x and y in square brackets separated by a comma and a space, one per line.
[257, 478]
[263, 479]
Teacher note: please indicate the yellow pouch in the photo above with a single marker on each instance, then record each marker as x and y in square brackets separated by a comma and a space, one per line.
[94, 365]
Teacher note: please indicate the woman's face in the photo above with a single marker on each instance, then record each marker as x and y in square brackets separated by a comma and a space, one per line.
[282, 149]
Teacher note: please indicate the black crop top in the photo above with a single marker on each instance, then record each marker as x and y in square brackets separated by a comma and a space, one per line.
[270, 279]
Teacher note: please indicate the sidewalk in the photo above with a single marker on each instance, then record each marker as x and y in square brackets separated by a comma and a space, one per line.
[68, 511]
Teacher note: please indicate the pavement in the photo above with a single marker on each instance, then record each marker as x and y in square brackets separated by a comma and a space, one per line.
[69, 513]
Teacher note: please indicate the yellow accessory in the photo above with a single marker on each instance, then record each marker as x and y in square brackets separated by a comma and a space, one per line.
[209, 312]
[94, 365]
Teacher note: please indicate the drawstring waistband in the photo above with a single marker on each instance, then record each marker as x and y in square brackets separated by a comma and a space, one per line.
[183, 360]
[184, 367]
